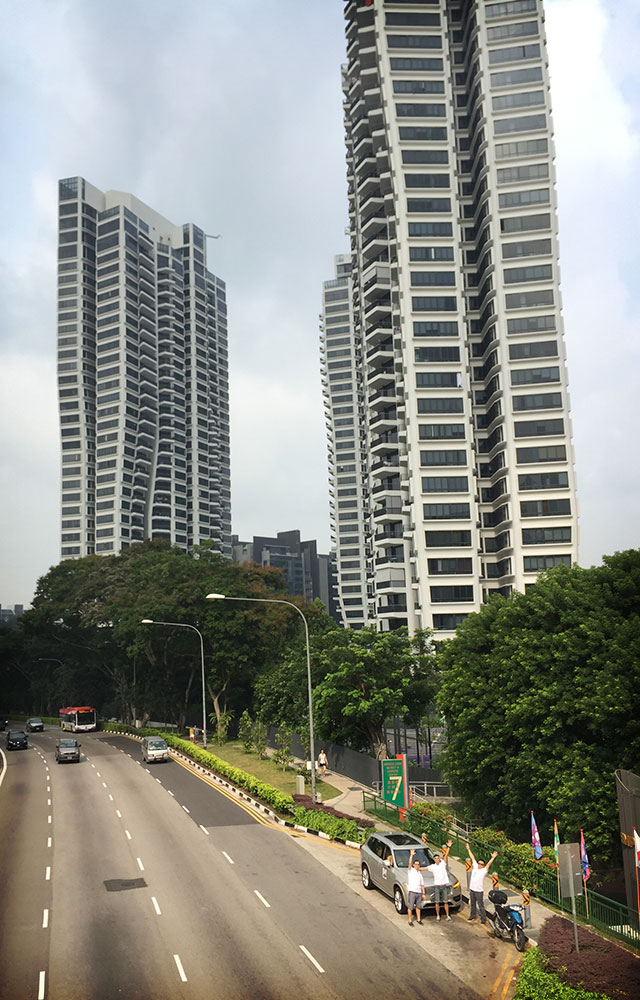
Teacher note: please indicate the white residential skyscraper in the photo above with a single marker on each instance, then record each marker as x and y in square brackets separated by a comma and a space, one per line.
[458, 356]
[142, 378]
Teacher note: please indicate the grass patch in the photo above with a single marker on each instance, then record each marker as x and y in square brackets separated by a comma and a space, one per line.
[267, 770]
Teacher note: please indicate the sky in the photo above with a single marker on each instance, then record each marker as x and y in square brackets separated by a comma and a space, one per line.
[228, 114]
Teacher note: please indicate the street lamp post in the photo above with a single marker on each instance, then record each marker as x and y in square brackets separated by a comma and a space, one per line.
[274, 600]
[150, 621]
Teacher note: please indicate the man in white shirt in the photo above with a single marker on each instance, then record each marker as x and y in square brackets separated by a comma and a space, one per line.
[479, 871]
[415, 887]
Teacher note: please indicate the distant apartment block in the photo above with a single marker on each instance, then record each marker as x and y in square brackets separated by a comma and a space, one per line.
[445, 379]
[307, 574]
[142, 378]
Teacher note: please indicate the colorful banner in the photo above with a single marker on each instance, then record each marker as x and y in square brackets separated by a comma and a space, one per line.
[535, 839]
[586, 870]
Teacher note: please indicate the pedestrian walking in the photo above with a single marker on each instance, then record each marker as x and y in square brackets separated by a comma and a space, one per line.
[415, 887]
[479, 871]
[323, 761]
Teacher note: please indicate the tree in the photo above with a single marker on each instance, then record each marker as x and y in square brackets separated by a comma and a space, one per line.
[244, 731]
[368, 677]
[542, 703]
[283, 753]
[259, 735]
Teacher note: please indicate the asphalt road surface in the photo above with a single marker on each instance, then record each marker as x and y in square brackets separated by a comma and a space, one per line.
[120, 879]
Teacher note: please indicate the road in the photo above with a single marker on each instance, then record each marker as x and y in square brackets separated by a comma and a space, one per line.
[142, 881]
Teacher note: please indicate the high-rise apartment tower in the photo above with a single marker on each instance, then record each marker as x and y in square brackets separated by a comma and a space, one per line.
[142, 378]
[458, 356]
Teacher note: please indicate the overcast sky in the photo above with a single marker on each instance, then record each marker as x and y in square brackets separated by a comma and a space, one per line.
[227, 113]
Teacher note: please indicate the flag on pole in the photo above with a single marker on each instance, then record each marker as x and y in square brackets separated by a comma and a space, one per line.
[636, 845]
[586, 870]
[535, 839]
[556, 841]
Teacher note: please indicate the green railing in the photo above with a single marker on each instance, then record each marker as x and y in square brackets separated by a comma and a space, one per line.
[614, 919]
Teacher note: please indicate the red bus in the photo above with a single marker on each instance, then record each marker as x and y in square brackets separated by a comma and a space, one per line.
[78, 720]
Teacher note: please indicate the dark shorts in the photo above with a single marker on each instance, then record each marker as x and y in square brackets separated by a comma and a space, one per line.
[415, 900]
[441, 893]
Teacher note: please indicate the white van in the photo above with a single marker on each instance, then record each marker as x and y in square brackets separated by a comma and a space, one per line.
[154, 748]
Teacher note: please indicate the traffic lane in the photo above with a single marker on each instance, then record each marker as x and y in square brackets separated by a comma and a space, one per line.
[188, 789]
[218, 937]
[299, 897]
[25, 858]
[290, 884]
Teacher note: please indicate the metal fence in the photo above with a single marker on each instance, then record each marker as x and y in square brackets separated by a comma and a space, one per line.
[613, 918]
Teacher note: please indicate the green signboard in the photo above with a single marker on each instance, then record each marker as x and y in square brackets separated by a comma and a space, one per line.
[394, 781]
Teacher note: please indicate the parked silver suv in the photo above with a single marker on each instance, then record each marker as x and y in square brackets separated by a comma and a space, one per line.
[384, 861]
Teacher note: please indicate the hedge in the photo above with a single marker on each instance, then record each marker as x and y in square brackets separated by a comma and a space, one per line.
[537, 982]
[344, 829]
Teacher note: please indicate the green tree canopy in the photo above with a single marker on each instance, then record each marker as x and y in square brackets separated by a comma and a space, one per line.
[542, 701]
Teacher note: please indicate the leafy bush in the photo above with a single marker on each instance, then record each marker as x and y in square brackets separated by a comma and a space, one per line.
[600, 965]
[244, 731]
[315, 819]
[537, 982]
[307, 802]
[283, 753]
[259, 737]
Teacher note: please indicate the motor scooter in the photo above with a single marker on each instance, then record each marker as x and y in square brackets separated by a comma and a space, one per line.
[507, 920]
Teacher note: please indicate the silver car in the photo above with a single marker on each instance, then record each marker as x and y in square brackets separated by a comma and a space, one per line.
[154, 748]
[384, 862]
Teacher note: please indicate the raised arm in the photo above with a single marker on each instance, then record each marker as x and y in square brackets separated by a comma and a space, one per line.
[445, 849]
[469, 852]
[491, 859]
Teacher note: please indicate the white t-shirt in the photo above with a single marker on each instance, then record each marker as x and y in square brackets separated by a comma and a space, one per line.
[415, 880]
[476, 882]
[439, 872]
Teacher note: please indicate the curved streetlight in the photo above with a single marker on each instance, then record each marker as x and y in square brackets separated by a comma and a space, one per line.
[274, 600]
[150, 621]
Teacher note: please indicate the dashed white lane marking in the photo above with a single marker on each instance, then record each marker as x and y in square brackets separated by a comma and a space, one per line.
[147, 770]
[204, 829]
[48, 819]
[171, 793]
[128, 835]
[186, 810]
[98, 774]
[230, 860]
[41, 985]
[111, 798]
[140, 865]
[158, 780]
[262, 899]
[93, 766]
[45, 918]
[311, 958]
[104, 784]
[118, 814]
[49, 841]
[47, 873]
[48, 802]
[180, 969]
[155, 905]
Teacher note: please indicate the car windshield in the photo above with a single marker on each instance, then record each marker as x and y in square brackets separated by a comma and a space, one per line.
[16, 734]
[37, 721]
[68, 744]
[157, 745]
[401, 856]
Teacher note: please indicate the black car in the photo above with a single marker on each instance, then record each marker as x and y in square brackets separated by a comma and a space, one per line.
[16, 740]
[68, 751]
[34, 725]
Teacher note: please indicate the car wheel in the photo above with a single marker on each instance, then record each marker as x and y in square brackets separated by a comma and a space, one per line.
[398, 900]
[366, 878]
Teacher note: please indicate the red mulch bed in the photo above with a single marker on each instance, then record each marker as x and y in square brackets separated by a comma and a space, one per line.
[599, 966]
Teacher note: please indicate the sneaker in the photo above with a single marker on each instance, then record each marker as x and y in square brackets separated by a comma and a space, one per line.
[437, 918]
[471, 918]
[411, 923]
[448, 918]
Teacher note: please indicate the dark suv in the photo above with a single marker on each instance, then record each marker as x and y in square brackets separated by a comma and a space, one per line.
[34, 725]
[16, 740]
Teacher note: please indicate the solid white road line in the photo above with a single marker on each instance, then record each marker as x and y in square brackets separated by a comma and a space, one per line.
[128, 834]
[47, 873]
[140, 865]
[41, 986]
[262, 899]
[230, 860]
[155, 905]
[204, 829]
[186, 810]
[45, 918]
[311, 958]
[180, 969]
